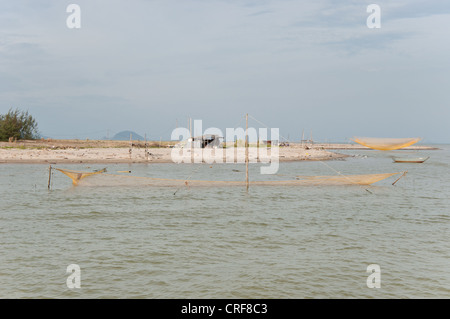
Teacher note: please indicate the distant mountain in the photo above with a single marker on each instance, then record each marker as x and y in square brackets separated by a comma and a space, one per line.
[125, 136]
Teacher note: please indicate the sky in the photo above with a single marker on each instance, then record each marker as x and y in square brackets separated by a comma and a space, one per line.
[311, 67]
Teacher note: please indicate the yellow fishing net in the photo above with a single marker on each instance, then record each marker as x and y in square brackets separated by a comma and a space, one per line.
[102, 179]
[386, 144]
[77, 176]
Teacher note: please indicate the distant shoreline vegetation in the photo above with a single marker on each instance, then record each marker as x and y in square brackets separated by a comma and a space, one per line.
[18, 125]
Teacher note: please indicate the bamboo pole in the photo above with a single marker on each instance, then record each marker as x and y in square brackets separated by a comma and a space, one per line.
[246, 150]
[303, 137]
[192, 140]
[131, 145]
[146, 148]
[49, 176]
[404, 173]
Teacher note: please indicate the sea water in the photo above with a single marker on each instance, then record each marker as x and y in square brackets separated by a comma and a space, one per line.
[225, 242]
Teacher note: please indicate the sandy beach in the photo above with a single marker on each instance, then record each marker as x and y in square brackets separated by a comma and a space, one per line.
[95, 151]
[77, 151]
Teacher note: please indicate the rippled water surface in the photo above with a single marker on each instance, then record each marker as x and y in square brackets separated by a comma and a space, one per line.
[272, 242]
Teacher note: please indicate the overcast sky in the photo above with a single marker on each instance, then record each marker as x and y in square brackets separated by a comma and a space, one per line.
[295, 65]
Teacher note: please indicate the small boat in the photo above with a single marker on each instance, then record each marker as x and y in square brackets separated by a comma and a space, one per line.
[410, 159]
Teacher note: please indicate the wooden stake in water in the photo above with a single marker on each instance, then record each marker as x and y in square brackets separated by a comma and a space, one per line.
[49, 176]
[404, 173]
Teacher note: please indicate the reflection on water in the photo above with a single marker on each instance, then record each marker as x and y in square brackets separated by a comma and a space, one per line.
[272, 242]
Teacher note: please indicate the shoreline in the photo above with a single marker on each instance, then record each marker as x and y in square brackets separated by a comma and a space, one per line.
[126, 152]
[122, 156]
[134, 152]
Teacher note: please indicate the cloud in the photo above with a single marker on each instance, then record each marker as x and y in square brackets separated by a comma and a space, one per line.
[369, 43]
[412, 9]
[217, 59]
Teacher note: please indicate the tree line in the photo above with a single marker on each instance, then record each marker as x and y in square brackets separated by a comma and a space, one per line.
[18, 125]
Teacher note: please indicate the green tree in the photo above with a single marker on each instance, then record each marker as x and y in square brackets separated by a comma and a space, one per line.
[18, 125]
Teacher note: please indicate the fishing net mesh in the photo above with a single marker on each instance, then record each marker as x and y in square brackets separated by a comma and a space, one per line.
[385, 144]
[100, 178]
